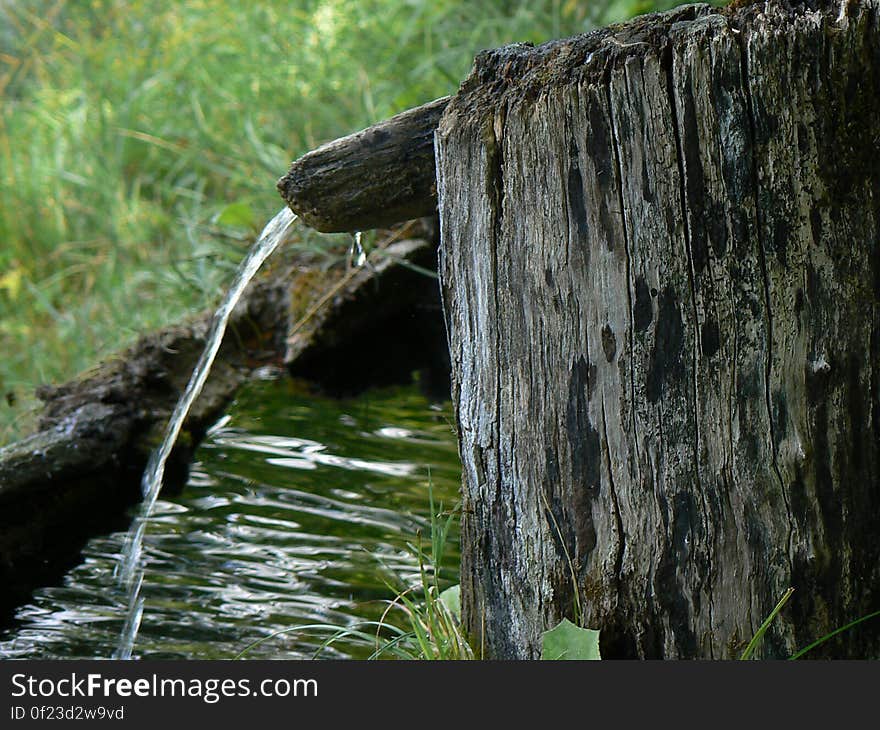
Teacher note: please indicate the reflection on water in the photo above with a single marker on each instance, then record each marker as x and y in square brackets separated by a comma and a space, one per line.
[297, 511]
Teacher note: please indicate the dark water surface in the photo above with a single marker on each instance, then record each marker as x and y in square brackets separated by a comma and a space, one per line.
[297, 511]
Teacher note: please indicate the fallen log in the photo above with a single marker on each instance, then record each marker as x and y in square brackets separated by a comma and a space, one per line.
[77, 474]
[371, 179]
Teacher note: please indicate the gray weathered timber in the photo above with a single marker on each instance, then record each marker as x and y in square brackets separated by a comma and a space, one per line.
[381, 175]
[661, 275]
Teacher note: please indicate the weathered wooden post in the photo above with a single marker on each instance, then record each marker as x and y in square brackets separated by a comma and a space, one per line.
[661, 283]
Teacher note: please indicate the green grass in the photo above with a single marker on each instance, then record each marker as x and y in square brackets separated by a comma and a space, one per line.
[762, 629]
[759, 634]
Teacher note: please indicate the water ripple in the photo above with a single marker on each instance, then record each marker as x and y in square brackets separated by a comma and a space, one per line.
[297, 511]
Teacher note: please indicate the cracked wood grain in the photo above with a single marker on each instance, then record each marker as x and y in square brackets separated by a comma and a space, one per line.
[659, 269]
[370, 179]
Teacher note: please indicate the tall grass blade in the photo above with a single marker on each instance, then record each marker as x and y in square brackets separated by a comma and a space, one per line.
[759, 634]
[834, 633]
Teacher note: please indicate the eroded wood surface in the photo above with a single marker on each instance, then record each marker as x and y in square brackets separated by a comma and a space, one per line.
[371, 179]
[660, 271]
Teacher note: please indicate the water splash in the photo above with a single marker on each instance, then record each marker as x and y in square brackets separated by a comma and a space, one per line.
[356, 254]
[131, 573]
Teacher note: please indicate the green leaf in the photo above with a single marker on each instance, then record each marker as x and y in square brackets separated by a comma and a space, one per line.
[236, 214]
[451, 598]
[567, 641]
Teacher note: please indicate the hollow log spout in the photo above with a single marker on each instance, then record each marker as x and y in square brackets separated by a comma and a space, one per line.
[371, 179]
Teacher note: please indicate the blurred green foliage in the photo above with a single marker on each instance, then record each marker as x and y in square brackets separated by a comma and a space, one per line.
[140, 141]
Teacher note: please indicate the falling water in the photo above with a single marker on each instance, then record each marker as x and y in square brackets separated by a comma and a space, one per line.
[356, 254]
[131, 574]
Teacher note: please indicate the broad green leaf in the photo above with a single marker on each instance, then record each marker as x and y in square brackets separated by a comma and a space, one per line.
[567, 641]
[451, 598]
[237, 214]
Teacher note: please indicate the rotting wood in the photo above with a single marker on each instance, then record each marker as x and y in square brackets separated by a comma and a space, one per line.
[659, 265]
[371, 179]
[384, 334]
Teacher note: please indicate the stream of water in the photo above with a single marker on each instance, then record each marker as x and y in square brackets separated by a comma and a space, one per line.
[297, 511]
[131, 573]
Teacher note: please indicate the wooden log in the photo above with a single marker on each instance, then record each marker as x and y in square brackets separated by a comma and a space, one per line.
[661, 276]
[371, 179]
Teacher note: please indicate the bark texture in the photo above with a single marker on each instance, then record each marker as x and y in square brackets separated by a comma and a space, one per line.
[660, 273]
[371, 179]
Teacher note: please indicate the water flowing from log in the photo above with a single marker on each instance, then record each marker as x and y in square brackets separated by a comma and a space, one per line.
[131, 573]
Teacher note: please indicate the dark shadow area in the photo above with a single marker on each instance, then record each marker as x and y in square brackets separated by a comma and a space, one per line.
[391, 335]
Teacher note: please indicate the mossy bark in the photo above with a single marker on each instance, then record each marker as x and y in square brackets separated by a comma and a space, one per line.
[659, 265]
